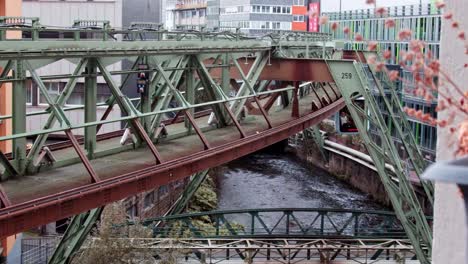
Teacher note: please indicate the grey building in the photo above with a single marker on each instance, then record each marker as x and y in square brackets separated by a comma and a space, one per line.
[257, 17]
[139, 11]
[142, 10]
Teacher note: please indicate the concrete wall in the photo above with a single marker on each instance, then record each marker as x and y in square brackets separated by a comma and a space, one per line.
[64, 13]
[142, 11]
[450, 241]
[354, 173]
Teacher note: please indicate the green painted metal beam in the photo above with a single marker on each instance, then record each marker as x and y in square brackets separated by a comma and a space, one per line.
[19, 116]
[402, 127]
[352, 82]
[90, 110]
[77, 231]
[195, 182]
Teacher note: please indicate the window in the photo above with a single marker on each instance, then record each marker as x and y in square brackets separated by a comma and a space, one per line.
[277, 9]
[286, 10]
[276, 25]
[297, 18]
[240, 9]
[256, 9]
[53, 89]
[265, 9]
[265, 25]
[298, 2]
[29, 92]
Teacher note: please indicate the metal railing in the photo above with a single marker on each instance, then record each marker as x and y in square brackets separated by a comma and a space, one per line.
[282, 222]
[394, 11]
[37, 250]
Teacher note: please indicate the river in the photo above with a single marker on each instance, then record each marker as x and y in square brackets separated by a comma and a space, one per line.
[266, 180]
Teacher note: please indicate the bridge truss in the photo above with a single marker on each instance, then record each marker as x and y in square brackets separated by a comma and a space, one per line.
[277, 250]
[191, 70]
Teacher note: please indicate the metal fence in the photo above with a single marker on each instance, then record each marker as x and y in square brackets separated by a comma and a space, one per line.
[37, 250]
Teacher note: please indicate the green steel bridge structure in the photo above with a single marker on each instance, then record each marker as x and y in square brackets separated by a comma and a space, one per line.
[225, 106]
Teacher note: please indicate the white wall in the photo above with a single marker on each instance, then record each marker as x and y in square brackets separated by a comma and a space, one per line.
[450, 241]
[76, 117]
[64, 13]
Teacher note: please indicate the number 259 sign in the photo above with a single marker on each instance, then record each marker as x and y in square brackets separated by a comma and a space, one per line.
[346, 75]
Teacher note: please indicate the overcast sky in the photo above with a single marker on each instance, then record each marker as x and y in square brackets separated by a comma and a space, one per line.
[334, 5]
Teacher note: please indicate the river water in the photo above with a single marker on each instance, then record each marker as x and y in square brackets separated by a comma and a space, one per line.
[266, 180]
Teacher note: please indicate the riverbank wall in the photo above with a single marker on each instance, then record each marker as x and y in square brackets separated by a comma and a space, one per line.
[357, 173]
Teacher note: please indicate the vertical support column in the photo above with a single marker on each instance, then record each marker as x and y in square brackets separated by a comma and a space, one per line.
[225, 79]
[295, 106]
[225, 74]
[19, 116]
[145, 105]
[190, 91]
[90, 106]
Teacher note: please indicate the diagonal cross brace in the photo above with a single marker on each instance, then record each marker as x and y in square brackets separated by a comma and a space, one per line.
[77, 231]
[60, 101]
[401, 192]
[401, 124]
[125, 106]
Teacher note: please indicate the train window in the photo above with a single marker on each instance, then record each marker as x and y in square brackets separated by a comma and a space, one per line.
[344, 123]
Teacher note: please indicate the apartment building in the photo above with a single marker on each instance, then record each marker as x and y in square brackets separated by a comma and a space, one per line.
[191, 14]
[257, 17]
[425, 22]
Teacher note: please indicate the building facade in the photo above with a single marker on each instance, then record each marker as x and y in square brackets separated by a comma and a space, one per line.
[425, 23]
[64, 14]
[257, 17]
[188, 14]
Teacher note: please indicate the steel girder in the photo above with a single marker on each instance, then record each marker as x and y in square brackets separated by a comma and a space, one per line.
[282, 222]
[81, 225]
[401, 125]
[353, 83]
[21, 55]
[195, 182]
[77, 231]
[77, 200]
[278, 250]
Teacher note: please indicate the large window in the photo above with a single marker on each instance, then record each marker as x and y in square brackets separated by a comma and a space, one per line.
[298, 18]
[271, 9]
[53, 89]
[265, 9]
[286, 10]
[298, 2]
